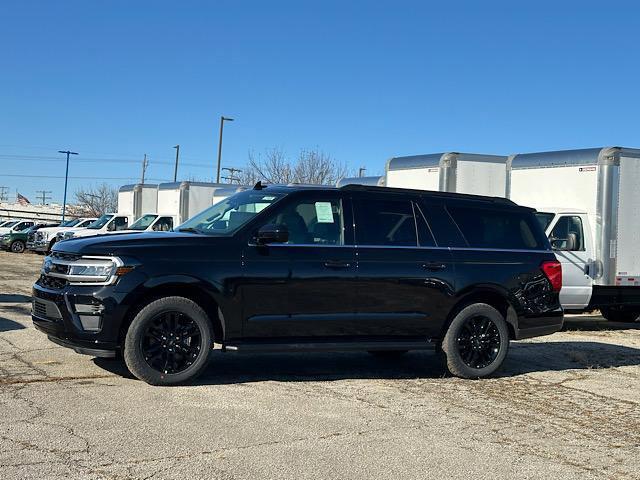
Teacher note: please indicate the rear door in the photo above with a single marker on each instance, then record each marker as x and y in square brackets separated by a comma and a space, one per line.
[405, 281]
[572, 247]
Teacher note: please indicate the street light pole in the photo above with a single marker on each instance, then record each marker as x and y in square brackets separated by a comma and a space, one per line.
[222, 120]
[66, 179]
[175, 172]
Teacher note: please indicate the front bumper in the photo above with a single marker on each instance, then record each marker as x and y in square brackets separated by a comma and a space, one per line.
[86, 319]
[38, 246]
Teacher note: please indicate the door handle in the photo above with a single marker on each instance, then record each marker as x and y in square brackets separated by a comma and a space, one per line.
[336, 264]
[434, 266]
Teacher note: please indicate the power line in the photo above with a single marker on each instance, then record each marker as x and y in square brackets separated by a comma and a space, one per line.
[80, 178]
[37, 158]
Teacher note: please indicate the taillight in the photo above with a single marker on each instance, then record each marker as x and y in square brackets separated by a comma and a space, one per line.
[553, 271]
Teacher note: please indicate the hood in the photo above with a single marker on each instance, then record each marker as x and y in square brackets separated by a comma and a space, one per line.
[131, 243]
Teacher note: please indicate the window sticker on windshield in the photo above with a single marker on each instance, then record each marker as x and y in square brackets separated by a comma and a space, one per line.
[268, 198]
[324, 212]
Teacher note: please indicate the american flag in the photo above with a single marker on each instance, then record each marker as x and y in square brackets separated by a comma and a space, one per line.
[22, 200]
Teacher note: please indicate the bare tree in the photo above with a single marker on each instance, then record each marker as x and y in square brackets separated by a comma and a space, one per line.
[310, 167]
[96, 200]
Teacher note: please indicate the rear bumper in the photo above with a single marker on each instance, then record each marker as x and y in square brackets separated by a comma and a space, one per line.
[537, 325]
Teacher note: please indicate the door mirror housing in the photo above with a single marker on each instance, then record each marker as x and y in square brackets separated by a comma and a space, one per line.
[272, 233]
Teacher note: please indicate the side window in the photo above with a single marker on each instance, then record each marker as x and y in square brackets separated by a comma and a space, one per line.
[385, 222]
[425, 235]
[444, 230]
[312, 221]
[120, 223]
[165, 224]
[568, 234]
[496, 228]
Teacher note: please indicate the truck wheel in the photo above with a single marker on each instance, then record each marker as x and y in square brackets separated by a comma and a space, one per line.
[613, 314]
[17, 246]
[168, 342]
[476, 342]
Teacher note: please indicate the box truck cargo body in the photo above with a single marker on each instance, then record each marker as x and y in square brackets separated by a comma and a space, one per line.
[450, 172]
[185, 199]
[588, 201]
[137, 199]
[372, 181]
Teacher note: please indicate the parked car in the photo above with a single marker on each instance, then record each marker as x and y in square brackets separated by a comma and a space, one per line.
[109, 222]
[297, 268]
[45, 238]
[16, 241]
[16, 226]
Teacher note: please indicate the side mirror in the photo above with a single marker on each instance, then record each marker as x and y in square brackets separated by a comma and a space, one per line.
[272, 233]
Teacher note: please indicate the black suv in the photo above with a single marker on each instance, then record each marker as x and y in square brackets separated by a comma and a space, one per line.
[305, 268]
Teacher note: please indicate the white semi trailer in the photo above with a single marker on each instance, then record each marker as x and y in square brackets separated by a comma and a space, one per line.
[450, 172]
[137, 199]
[588, 201]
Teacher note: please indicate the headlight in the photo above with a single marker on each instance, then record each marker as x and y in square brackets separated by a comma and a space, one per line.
[5, 237]
[86, 270]
[98, 270]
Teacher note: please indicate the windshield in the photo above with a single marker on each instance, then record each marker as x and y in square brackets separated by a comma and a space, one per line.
[70, 223]
[143, 222]
[230, 214]
[10, 224]
[544, 219]
[101, 222]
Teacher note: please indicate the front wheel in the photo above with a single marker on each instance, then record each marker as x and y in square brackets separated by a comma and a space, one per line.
[476, 342]
[620, 314]
[168, 342]
[17, 246]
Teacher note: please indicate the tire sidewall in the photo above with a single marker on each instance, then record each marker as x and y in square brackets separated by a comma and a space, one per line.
[454, 363]
[132, 345]
[14, 244]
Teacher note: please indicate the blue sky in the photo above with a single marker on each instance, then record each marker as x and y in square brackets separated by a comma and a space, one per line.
[363, 81]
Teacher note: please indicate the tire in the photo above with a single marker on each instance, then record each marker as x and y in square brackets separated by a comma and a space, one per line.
[621, 314]
[468, 355]
[158, 349]
[388, 353]
[17, 246]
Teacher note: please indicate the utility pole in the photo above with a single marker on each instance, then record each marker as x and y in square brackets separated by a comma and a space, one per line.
[66, 179]
[175, 172]
[3, 194]
[361, 171]
[231, 178]
[42, 195]
[222, 120]
[145, 164]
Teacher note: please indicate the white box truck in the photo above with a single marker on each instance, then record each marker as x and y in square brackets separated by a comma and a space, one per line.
[185, 198]
[588, 201]
[372, 181]
[450, 172]
[137, 199]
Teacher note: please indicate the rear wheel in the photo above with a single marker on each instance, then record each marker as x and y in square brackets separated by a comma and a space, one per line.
[620, 314]
[476, 342]
[168, 342]
[17, 246]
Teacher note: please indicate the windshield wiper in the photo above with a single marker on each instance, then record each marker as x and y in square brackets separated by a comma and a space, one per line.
[190, 230]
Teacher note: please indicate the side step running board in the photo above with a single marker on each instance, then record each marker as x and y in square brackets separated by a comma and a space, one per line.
[327, 346]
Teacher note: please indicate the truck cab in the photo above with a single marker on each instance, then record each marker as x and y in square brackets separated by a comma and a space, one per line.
[570, 235]
[109, 222]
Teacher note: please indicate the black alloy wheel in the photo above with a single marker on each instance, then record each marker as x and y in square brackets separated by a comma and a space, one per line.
[478, 342]
[171, 342]
[17, 246]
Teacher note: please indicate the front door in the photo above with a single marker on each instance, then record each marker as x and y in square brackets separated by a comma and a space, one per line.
[405, 281]
[313, 274]
[572, 247]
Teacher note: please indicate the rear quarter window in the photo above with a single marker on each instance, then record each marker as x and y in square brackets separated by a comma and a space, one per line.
[496, 228]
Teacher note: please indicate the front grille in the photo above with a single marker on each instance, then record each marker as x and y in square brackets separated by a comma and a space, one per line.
[52, 282]
[71, 257]
[39, 308]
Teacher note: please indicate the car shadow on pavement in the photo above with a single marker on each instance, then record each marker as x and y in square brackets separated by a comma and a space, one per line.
[14, 298]
[523, 357]
[595, 323]
[7, 325]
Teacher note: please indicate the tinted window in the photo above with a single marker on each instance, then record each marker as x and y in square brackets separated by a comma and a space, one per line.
[444, 230]
[165, 224]
[488, 228]
[425, 236]
[567, 226]
[311, 221]
[385, 222]
[120, 223]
